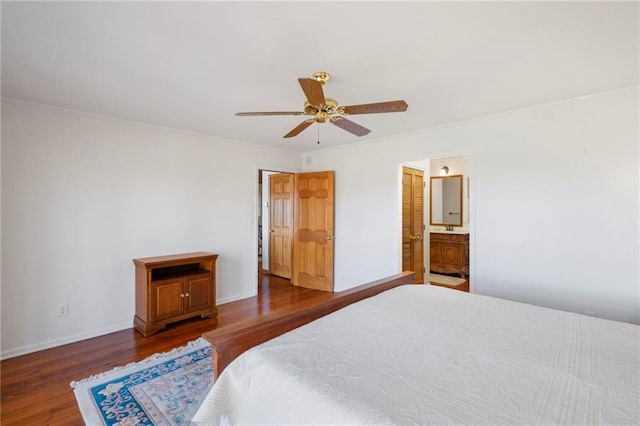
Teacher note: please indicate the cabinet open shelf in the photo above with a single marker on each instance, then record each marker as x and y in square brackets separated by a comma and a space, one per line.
[176, 271]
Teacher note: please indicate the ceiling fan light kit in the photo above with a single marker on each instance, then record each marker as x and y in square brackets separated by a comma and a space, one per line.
[326, 109]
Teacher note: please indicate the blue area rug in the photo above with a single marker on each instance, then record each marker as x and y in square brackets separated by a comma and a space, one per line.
[164, 389]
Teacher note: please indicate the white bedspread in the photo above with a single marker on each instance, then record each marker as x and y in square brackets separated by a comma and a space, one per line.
[420, 354]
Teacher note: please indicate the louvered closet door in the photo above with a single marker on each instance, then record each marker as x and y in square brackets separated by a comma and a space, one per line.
[413, 222]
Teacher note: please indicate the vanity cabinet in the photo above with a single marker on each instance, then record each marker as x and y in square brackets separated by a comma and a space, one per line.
[449, 253]
[172, 288]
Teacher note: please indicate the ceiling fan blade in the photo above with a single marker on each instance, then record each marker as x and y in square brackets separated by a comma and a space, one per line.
[350, 126]
[312, 90]
[299, 128]
[390, 106]
[247, 114]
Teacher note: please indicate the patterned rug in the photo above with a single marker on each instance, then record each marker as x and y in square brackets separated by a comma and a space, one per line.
[164, 389]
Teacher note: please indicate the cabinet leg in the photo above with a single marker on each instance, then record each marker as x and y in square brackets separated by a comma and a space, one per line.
[146, 329]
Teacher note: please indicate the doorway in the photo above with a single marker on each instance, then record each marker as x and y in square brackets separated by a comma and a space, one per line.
[447, 251]
[295, 227]
[263, 218]
[280, 238]
[450, 229]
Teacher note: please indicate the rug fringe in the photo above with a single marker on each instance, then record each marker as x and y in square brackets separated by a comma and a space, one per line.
[153, 358]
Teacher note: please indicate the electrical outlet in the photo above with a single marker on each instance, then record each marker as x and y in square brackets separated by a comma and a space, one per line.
[63, 309]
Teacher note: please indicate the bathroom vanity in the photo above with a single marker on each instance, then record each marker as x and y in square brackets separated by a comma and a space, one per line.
[449, 253]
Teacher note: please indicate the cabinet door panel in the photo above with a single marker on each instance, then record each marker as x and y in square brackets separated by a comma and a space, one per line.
[200, 293]
[167, 302]
[451, 255]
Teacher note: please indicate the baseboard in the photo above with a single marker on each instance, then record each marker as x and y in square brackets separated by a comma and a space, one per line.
[233, 299]
[24, 350]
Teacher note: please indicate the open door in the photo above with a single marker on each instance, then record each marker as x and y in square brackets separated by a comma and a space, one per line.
[313, 241]
[413, 222]
[281, 224]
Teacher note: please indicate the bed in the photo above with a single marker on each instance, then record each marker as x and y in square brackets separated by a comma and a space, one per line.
[421, 354]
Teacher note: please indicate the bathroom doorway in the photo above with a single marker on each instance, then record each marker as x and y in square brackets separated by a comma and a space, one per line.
[447, 249]
[449, 222]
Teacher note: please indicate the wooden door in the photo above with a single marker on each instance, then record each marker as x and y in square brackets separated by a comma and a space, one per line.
[281, 224]
[198, 293]
[313, 235]
[167, 302]
[413, 222]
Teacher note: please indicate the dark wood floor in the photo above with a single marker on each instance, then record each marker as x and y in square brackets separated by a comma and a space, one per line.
[35, 387]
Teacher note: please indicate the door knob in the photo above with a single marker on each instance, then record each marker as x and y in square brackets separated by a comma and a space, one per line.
[271, 230]
[329, 238]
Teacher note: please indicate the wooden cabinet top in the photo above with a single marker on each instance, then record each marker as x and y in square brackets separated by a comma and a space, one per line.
[174, 259]
[449, 232]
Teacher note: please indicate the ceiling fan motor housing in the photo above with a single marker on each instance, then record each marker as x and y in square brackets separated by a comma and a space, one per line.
[322, 112]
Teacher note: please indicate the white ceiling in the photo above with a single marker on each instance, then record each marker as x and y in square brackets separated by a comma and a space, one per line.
[192, 65]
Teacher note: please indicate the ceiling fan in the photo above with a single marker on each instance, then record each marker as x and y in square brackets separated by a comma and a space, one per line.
[326, 109]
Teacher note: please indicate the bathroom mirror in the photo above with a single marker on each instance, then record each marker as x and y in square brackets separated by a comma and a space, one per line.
[446, 200]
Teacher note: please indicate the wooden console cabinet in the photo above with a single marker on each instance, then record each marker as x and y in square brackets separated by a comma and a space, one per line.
[449, 253]
[172, 288]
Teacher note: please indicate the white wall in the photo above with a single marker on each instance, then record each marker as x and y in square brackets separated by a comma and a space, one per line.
[83, 195]
[543, 180]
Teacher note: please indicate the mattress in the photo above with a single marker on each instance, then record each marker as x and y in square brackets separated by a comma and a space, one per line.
[422, 354]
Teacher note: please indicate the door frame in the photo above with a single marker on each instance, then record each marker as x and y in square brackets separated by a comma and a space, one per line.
[469, 184]
[258, 206]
